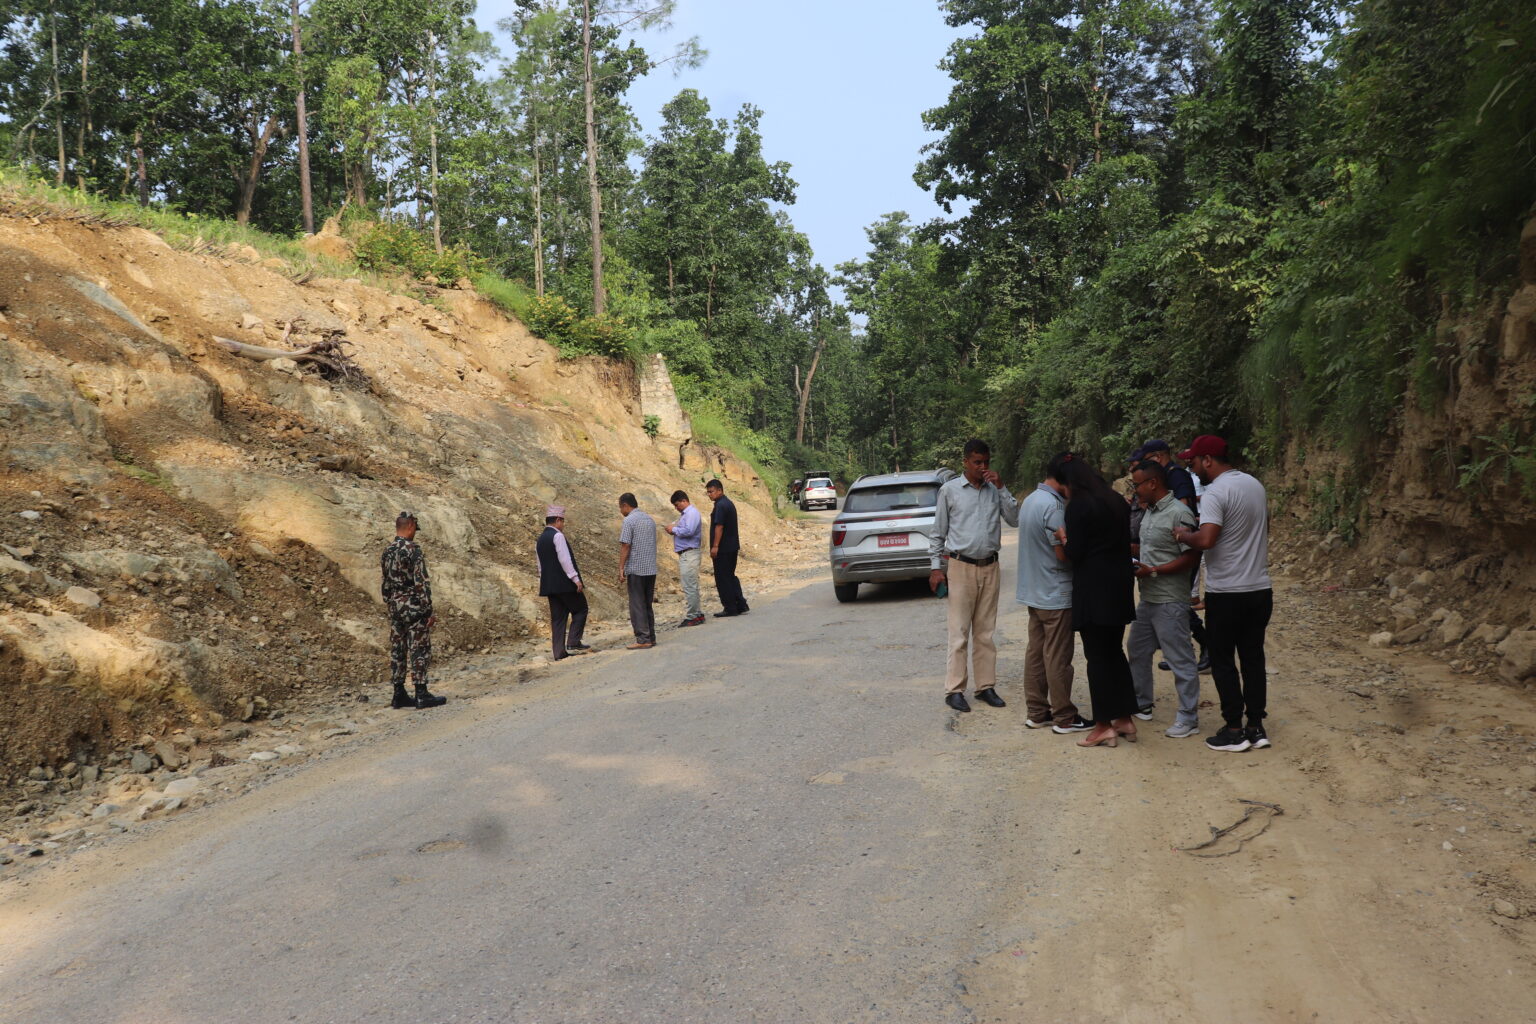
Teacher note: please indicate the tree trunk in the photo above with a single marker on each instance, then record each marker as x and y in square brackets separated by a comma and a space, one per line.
[84, 127]
[143, 172]
[437, 220]
[306, 196]
[599, 295]
[709, 303]
[805, 392]
[538, 207]
[248, 182]
[58, 96]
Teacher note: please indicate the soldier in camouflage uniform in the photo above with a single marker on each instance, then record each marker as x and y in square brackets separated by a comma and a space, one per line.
[408, 599]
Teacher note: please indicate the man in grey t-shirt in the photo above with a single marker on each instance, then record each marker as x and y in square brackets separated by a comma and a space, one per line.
[637, 570]
[1239, 599]
[1045, 588]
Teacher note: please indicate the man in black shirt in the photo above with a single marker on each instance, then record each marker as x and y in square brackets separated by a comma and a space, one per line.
[724, 548]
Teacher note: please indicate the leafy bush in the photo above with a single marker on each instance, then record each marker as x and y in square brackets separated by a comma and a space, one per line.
[551, 318]
[387, 246]
[651, 425]
[600, 336]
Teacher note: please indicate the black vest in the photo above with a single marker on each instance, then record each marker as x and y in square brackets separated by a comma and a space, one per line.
[552, 577]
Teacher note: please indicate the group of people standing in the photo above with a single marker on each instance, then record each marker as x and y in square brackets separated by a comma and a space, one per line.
[560, 580]
[407, 588]
[1080, 560]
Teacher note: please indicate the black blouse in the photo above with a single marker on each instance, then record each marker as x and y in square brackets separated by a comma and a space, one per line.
[1099, 548]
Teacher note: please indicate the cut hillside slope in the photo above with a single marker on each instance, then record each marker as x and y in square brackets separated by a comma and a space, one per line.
[1429, 537]
[175, 552]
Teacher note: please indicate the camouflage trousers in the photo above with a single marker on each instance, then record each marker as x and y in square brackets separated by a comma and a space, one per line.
[409, 643]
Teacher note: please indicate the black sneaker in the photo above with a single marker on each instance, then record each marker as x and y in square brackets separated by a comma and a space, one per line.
[1256, 738]
[1078, 725]
[1229, 738]
[578, 647]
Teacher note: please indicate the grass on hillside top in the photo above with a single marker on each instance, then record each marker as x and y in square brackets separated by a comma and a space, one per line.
[512, 297]
[24, 195]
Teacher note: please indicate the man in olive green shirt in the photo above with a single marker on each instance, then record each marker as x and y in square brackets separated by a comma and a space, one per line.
[1162, 616]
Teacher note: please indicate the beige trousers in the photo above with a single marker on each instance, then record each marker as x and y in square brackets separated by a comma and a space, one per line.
[1048, 667]
[972, 619]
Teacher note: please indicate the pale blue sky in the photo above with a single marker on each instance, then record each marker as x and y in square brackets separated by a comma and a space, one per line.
[842, 85]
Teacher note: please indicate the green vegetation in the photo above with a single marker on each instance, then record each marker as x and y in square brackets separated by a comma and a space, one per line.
[1252, 218]
[1258, 218]
[392, 247]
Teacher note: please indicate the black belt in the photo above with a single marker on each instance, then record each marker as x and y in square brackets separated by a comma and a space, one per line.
[974, 561]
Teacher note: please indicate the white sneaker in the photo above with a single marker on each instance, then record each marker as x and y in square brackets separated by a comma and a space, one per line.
[1179, 730]
[1079, 724]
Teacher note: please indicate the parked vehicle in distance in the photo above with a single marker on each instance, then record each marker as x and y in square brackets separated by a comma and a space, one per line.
[818, 493]
[881, 535]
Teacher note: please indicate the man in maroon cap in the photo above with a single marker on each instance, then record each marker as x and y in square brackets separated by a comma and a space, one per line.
[1234, 534]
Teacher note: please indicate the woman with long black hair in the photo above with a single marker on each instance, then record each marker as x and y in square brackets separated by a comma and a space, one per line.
[1096, 533]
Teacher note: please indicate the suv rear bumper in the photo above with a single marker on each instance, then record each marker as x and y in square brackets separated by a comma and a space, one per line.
[882, 569]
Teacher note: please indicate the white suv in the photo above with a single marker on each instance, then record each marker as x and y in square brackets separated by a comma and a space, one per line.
[882, 533]
[818, 493]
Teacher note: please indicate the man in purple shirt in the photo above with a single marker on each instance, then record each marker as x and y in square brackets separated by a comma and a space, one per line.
[687, 536]
[560, 581]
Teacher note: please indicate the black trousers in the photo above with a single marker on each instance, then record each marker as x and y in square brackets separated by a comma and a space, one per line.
[726, 583]
[1109, 674]
[1197, 629]
[642, 608]
[572, 606]
[1235, 625]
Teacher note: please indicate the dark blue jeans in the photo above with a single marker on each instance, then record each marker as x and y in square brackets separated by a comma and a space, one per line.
[1234, 627]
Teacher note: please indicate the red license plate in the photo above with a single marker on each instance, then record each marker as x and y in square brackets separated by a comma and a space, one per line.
[894, 540]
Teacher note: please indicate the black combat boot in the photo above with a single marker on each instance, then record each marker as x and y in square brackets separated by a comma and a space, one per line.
[402, 699]
[427, 700]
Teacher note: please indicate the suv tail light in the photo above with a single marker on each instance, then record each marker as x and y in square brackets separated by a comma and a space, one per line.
[838, 533]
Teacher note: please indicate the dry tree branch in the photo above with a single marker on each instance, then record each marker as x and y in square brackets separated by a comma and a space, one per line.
[1255, 807]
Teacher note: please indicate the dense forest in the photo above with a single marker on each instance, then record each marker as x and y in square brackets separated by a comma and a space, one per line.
[1167, 217]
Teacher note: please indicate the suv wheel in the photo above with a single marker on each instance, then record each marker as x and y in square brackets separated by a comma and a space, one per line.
[845, 591]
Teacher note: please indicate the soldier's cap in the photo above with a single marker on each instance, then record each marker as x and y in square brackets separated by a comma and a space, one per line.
[405, 517]
[1156, 445]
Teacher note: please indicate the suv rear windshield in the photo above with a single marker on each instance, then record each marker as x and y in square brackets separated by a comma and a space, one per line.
[821, 482]
[892, 497]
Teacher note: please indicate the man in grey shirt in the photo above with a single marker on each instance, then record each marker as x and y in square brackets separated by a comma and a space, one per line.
[1162, 617]
[1045, 588]
[637, 570]
[1239, 598]
[967, 526]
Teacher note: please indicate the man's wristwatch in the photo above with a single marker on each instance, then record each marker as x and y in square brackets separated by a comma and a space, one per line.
[1154, 574]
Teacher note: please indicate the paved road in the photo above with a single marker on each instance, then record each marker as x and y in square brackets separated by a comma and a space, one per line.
[771, 818]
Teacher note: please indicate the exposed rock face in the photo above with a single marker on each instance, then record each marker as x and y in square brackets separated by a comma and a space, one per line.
[225, 516]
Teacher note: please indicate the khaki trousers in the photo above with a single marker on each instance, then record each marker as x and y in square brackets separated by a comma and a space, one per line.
[1048, 667]
[972, 619]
